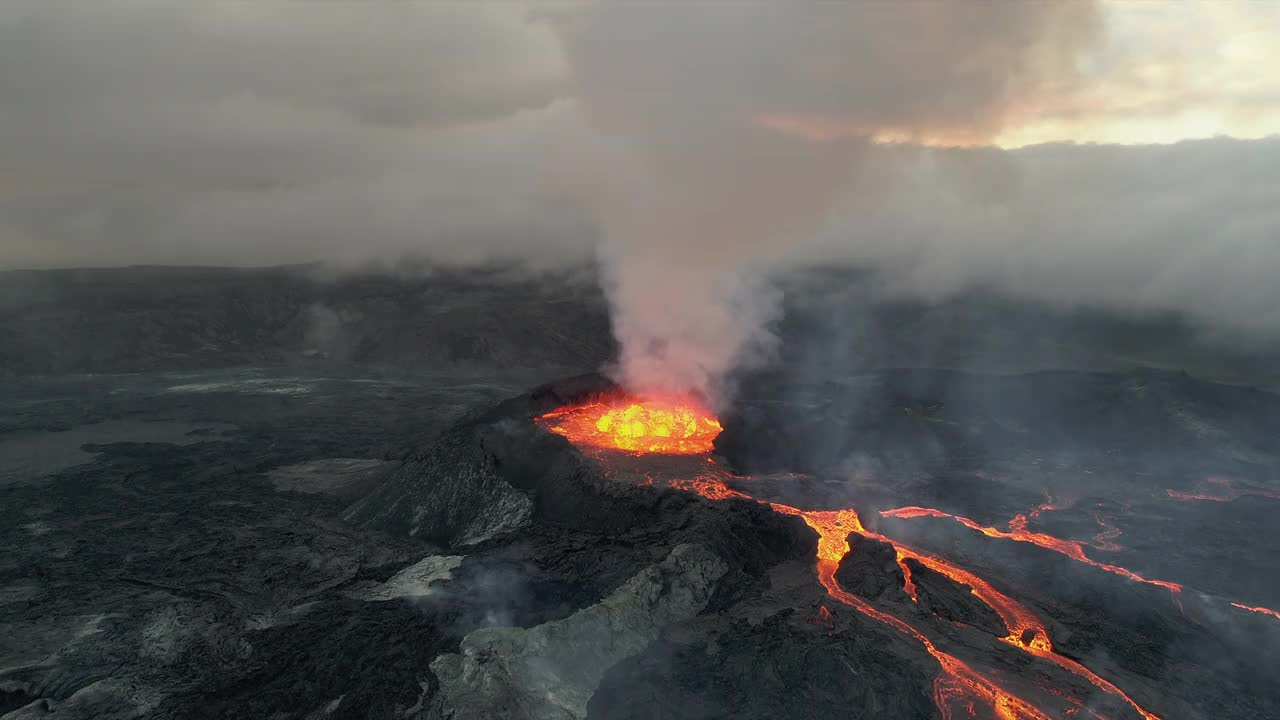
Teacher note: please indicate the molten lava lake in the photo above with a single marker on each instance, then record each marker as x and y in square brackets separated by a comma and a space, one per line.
[636, 425]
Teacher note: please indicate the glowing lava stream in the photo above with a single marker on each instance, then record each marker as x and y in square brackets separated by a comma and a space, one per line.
[1073, 549]
[1264, 611]
[957, 679]
[685, 428]
[1025, 631]
[1231, 492]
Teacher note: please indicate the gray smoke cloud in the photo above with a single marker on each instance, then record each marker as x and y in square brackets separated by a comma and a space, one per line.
[183, 132]
[1190, 227]
[692, 148]
[717, 174]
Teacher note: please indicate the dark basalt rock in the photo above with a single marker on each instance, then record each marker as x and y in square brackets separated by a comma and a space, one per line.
[452, 495]
[550, 672]
[499, 471]
[459, 491]
[870, 569]
[941, 596]
[176, 581]
[786, 666]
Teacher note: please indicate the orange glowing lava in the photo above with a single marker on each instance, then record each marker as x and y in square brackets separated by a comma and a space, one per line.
[1230, 491]
[1017, 531]
[959, 686]
[959, 691]
[667, 427]
[1262, 610]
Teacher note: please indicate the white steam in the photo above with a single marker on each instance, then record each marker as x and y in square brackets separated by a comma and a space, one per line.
[738, 125]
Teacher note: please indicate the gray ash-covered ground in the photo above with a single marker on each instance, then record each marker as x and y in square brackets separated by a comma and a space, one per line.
[267, 543]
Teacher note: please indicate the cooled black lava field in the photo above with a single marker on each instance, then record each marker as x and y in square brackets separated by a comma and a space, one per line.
[274, 543]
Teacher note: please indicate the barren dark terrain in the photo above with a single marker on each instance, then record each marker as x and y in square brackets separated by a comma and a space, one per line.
[312, 498]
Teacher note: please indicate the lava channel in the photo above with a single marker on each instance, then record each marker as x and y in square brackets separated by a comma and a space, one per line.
[959, 685]
[1230, 491]
[685, 428]
[1017, 531]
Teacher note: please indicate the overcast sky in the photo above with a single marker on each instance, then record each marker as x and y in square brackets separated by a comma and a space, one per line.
[240, 133]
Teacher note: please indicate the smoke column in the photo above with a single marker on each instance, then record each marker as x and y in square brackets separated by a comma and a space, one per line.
[734, 127]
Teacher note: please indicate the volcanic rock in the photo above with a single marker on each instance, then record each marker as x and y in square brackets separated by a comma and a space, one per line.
[551, 671]
[950, 600]
[453, 495]
[178, 580]
[459, 490]
[498, 471]
[343, 477]
[413, 581]
[783, 667]
[870, 569]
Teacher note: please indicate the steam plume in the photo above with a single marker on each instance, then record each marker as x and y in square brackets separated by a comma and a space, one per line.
[738, 124]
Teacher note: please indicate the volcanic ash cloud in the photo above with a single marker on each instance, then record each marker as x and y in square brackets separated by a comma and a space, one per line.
[734, 127]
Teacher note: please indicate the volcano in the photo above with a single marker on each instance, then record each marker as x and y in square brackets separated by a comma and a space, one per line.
[811, 581]
[890, 544]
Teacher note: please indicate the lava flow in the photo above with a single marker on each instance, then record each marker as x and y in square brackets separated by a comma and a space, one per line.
[651, 425]
[960, 684]
[1262, 610]
[641, 427]
[1231, 491]
[1109, 532]
[1017, 531]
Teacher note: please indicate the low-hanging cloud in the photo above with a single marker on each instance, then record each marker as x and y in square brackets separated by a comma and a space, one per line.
[164, 131]
[694, 146]
[1190, 227]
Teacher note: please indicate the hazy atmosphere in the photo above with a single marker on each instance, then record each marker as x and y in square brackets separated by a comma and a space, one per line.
[639, 359]
[154, 132]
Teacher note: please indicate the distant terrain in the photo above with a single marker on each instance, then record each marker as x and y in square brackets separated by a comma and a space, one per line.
[166, 318]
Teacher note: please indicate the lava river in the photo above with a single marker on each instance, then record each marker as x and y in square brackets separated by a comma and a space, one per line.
[959, 686]
[1073, 549]
[959, 690]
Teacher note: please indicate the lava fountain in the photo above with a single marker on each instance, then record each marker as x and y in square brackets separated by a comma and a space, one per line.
[665, 426]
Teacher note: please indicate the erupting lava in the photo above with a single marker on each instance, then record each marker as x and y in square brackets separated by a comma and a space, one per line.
[653, 425]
